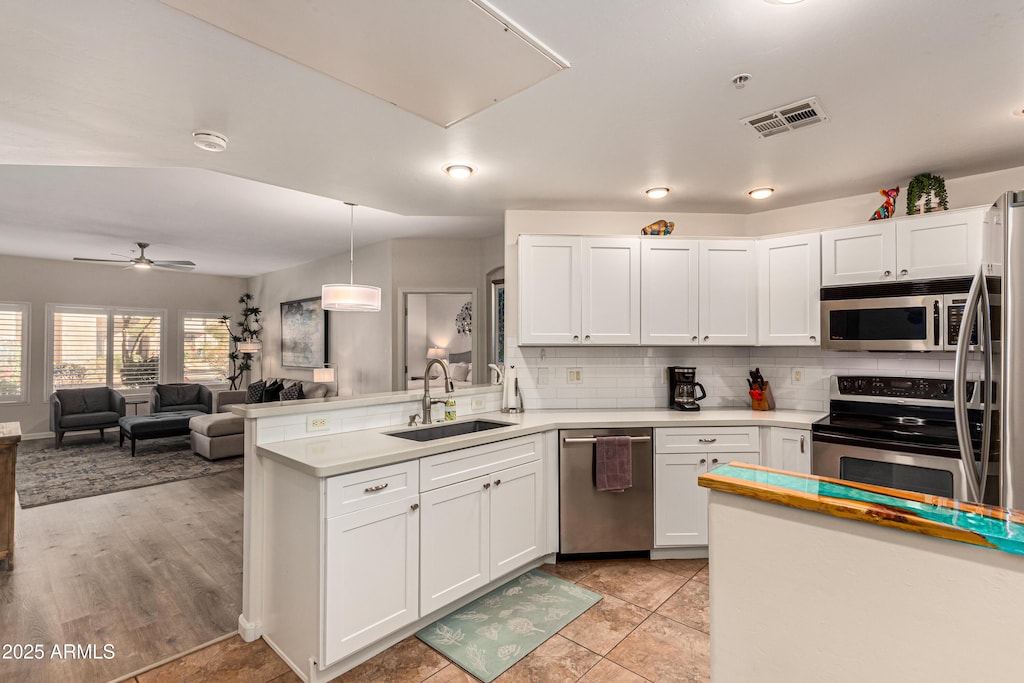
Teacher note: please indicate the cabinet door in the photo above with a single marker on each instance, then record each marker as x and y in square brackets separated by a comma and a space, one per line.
[611, 290]
[370, 576]
[789, 295]
[680, 506]
[549, 289]
[669, 298]
[944, 244]
[517, 517]
[454, 551]
[728, 292]
[790, 449]
[862, 253]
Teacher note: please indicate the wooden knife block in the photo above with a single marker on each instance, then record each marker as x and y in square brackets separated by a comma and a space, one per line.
[767, 402]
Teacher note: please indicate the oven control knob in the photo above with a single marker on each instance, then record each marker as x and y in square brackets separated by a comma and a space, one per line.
[859, 385]
[943, 388]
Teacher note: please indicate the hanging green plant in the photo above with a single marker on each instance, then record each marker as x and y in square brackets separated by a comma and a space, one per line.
[930, 187]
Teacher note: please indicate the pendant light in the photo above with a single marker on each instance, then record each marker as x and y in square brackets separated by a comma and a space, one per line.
[350, 297]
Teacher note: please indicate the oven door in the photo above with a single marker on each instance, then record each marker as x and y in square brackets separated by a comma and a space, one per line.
[929, 474]
[903, 323]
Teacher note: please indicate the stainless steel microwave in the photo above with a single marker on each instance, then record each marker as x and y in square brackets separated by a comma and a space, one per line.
[900, 316]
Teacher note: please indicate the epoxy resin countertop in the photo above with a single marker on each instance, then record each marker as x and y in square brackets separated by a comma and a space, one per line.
[982, 525]
[327, 456]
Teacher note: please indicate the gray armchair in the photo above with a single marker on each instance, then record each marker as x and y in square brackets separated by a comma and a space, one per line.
[169, 397]
[78, 410]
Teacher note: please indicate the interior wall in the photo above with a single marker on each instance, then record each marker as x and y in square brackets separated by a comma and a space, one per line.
[40, 282]
[415, 335]
[359, 343]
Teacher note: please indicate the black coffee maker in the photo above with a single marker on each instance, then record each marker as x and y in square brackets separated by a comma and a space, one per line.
[682, 388]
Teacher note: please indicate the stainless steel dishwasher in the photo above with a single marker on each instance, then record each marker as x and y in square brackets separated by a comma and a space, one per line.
[601, 522]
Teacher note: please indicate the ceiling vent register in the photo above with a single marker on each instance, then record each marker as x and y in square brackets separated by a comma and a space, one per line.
[786, 118]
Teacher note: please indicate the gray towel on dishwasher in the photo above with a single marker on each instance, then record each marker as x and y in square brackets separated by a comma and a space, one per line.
[614, 466]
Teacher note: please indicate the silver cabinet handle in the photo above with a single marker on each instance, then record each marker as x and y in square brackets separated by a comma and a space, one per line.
[707, 440]
[813, 338]
[593, 439]
[378, 487]
[414, 507]
[887, 273]
[587, 338]
[706, 338]
[694, 338]
[703, 461]
[714, 461]
[575, 337]
[802, 437]
[497, 482]
[487, 485]
[904, 271]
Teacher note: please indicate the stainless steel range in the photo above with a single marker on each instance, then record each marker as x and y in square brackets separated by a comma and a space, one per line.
[898, 432]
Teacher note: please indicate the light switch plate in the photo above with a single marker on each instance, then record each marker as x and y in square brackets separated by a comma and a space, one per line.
[798, 375]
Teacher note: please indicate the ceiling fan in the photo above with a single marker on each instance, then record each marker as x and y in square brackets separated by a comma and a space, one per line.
[141, 261]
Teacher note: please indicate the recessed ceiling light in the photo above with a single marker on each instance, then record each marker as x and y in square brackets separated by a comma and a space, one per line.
[209, 140]
[657, 192]
[761, 192]
[739, 81]
[459, 171]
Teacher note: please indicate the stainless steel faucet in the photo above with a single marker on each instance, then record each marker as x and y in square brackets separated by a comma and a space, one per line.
[448, 385]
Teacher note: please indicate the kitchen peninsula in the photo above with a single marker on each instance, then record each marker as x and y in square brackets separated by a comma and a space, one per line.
[820, 579]
[357, 538]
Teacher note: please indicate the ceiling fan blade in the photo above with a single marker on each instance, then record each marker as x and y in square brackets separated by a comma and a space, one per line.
[100, 260]
[174, 263]
[172, 266]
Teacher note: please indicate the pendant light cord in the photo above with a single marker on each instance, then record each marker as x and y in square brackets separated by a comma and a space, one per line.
[351, 243]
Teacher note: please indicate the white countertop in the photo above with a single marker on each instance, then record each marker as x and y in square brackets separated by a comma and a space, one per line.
[327, 456]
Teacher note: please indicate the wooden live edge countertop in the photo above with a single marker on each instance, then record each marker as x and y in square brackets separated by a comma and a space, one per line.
[983, 525]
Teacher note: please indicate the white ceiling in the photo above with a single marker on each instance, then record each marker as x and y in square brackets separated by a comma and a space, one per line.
[909, 86]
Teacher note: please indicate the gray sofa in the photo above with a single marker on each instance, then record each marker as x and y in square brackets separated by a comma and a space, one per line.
[175, 397]
[223, 400]
[78, 410]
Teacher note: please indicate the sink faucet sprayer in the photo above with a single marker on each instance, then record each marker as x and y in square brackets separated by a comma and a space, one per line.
[448, 385]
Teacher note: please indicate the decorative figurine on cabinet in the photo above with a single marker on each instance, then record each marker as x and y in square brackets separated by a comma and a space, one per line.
[888, 208]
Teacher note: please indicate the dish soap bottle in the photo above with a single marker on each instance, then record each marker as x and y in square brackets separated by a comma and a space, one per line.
[449, 410]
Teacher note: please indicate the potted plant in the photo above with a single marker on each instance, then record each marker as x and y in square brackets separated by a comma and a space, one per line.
[927, 186]
[250, 329]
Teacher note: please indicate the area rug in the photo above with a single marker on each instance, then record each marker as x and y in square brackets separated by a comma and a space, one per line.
[490, 634]
[79, 471]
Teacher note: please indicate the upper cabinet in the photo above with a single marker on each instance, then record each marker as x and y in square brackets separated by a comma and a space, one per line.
[943, 244]
[789, 294]
[728, 292]
[579, 290]
[669, 292]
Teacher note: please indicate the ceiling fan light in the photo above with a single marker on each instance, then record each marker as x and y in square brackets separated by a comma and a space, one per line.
[348, 297]
[657, 192]
[459, 171]
[142, 265]
[761, 192]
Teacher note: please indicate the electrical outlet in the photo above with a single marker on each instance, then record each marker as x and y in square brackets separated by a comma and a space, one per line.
[477, 403]
[543, 376]
[575, 376]
[317, 423]
[798, 375]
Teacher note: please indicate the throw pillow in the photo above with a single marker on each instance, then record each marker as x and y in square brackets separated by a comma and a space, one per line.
[254, 394]
[459, 371]
[292, 393]
[273, 391]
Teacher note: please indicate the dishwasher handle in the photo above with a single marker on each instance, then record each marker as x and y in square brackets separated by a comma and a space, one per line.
[593, 439]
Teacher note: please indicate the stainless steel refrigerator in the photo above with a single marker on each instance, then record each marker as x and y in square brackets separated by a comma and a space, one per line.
[996, 304]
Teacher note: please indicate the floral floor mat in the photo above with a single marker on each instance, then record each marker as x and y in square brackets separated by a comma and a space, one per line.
[490, 634]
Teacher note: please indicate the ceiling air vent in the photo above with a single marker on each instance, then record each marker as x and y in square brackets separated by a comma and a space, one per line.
[786, 118]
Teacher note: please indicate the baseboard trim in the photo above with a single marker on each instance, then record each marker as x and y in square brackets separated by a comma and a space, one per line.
[695, 553]
[249, 631]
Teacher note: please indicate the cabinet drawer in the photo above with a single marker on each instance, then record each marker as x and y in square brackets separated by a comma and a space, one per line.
[360, 490]
[456, 466]
[706, 439]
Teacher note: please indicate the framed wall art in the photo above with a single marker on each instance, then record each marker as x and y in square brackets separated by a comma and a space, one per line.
[303, 334]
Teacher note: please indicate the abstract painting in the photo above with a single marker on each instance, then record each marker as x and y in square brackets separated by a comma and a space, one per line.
[303, 334]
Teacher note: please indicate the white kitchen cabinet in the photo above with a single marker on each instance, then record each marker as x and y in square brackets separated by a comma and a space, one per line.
[933, 245]
[681, 455]
[669, 291]
[788, 449]
[579, 290]
[789, 290]
[488, 523]
[728, 293]
[371, 572]
[942, 244]
[859, 254]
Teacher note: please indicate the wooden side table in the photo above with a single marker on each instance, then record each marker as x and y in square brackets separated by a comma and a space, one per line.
[10, 435]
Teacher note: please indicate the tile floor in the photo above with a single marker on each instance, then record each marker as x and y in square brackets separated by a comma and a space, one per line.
[652, 625]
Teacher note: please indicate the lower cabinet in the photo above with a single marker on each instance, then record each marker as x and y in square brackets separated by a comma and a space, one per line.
[371, 575]
[789, 449]
[476, 530]
[681, 455]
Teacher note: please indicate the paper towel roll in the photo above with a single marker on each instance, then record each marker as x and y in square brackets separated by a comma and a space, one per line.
[510, 401]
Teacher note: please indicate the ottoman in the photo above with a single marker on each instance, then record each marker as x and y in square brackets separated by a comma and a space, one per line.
[218, 435]
[139, 427]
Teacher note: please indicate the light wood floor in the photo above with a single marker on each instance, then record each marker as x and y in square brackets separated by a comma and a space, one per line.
[153, 572]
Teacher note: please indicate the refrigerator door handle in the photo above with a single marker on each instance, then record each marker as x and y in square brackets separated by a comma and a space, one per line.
[963, 433]
[985, 337]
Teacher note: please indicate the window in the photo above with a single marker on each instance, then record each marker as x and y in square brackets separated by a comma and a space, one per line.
[112, 347]
[207, 345]
[13, 353]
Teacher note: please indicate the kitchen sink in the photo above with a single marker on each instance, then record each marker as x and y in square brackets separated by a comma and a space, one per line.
[443, 431]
